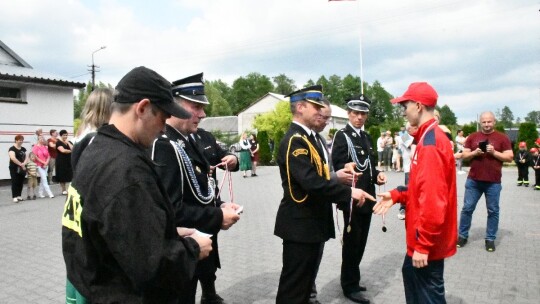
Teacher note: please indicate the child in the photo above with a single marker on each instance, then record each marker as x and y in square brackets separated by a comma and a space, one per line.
[535, 162]
[522, 159]
[31, 169]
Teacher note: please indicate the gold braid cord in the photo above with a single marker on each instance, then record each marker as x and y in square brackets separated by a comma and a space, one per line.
[315, 158]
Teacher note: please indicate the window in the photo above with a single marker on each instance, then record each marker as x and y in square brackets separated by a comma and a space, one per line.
[10, 95]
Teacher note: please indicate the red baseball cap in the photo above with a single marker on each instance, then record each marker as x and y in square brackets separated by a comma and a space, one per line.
[522, 144]
[421, 92]
[533, 150]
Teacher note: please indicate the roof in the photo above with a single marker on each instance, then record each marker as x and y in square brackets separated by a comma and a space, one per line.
[227, 124]
[14, 68]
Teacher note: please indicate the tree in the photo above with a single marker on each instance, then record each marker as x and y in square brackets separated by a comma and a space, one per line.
[469, 128]
[275, 121]
[351, 87]
[284, 85]
[218, 105]
[265, 155]
[506, 117]
[534, 117]
[246, 90]
[381, 109]
[448, 117]
[527, 133]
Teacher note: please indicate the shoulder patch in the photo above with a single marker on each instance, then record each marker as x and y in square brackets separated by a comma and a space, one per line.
[429, 138]
[300, 152]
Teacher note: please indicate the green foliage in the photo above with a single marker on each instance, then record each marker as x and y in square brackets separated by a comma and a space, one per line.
[265, 155]
[469, 128]
[76, 124]
[448, 117]
[246, 90]
[374, 132]
[534, 117]
[277, 141]
[505, 117]
[499, 126]
[527, 133]
[332, 132]
[284, 84]
[381, 110]
[275, 121]
[218, 105]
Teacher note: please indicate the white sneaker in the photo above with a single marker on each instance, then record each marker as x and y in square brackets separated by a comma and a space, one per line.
[51, 196]
[64, 192]
[41, 196]
[401, 214]
[15, 200]
[461, 172]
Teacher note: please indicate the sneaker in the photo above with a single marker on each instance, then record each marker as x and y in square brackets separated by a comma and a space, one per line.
[51, 196]
[64, 192]
[461, 172]
[15, 200]
[490, 245]
[401, 214]
[33, 197]
[20, 199]
[461, 242]
[28, 198]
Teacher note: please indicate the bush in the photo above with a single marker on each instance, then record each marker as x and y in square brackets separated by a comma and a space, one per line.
[277, 142]
[527, 133]
[265, 155]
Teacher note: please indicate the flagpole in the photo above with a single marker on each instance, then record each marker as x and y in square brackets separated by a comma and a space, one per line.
[360, 46]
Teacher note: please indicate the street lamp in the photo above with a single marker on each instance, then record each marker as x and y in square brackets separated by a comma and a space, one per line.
[94, 67]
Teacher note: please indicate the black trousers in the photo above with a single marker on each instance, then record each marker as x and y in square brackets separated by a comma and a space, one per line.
[354, 244]
[300, 261]
[523, 174]
[424, 285]
[17, 182]
[537, 177]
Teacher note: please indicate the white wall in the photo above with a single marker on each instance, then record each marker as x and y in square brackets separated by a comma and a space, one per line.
[48, 107]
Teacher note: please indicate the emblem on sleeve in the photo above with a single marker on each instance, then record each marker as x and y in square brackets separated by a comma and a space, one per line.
[300, 152]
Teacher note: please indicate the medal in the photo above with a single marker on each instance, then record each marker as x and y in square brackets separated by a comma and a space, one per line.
[362, 152]
[349, 229]
[354, 134]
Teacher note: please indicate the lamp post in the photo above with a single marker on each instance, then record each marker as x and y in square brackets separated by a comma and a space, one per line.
[94, 67]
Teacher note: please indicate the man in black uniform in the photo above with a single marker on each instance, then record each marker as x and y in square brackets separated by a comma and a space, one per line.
[119, 238]
[187, 177]
[304, 218]
[352, 144]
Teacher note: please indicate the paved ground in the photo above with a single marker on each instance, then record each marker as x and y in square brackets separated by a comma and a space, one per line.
[32, 268]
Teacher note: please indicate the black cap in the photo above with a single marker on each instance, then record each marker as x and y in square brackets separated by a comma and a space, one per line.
[312, 94]
[359, 103]
[190, 88]
[141, 83]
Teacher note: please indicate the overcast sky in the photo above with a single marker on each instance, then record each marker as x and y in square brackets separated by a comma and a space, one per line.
[479, 55]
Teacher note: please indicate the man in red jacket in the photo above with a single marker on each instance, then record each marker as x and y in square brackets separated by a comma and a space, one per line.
[430, 200]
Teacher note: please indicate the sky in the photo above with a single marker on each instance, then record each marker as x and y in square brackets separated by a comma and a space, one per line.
[479, 55]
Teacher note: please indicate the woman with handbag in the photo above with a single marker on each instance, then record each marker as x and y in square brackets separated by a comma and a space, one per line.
[17, 168]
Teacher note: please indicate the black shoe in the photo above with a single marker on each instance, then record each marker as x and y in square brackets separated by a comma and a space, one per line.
[461, 242]
[33, 197]
[212, 299]
[490, 245]
[314, 301]
[362, 288]
[357, 297]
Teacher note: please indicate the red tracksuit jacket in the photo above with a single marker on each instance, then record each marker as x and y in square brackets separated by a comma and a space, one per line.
[431, 197]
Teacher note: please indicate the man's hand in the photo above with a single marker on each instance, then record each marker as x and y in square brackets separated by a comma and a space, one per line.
[419, 260]
[381, 178]
[205, 245]
[384, 204]
[230, 217]
[344, 176]
[361, 196]
[230, 160]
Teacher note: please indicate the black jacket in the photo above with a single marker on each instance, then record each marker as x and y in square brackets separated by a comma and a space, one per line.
[189, 211]
[305, 211]
[363, 150]
[119, 237]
